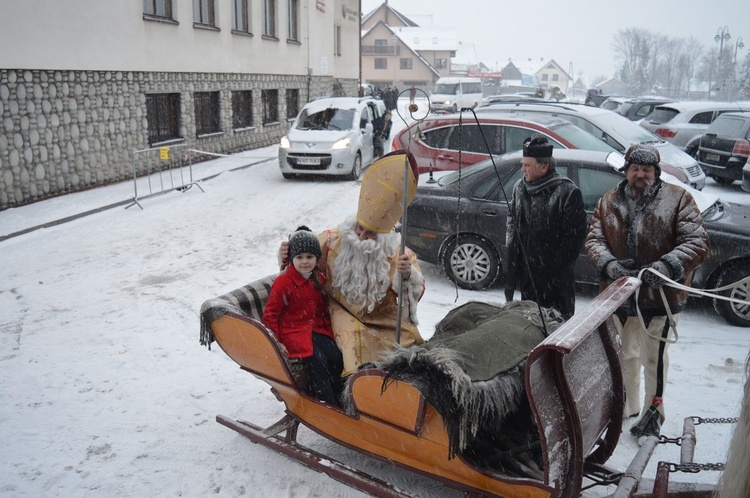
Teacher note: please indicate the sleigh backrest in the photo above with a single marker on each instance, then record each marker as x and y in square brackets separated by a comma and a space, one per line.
[575, 387]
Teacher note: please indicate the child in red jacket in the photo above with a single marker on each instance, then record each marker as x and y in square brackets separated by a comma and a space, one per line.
[297, 313]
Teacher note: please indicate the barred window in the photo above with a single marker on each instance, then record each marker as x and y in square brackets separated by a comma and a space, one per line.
[270, 101]
[163, 117]
[207, 113]
[203, 12]
[242, 109]
[292, 103]
[269, 18]
[294, 20]
[241, 16]
[158, 8]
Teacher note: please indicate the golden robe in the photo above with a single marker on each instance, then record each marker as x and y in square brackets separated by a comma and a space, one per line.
[364, 336]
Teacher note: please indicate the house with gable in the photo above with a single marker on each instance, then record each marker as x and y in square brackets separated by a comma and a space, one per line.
[397, 52]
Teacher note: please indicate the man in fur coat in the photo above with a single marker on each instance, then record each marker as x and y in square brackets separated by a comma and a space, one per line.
[545, 231]
[646, 223]
[363, 266]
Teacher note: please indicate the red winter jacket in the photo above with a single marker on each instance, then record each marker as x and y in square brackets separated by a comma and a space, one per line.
[295, 309]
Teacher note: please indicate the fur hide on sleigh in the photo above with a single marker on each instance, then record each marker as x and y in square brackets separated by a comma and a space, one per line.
[472, 372]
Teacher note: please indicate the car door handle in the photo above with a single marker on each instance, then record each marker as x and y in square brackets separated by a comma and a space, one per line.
[489, 212]
[447, 158]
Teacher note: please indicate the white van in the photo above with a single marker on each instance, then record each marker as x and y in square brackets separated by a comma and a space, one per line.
[452, 94]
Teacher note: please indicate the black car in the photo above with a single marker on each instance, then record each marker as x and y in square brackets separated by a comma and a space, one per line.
[466, 235]
[725, 147]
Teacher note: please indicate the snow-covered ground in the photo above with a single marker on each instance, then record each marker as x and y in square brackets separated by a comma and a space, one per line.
[106, 391]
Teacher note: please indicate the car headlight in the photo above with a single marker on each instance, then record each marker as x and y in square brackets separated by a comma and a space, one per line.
[344, 143]
[284, 143]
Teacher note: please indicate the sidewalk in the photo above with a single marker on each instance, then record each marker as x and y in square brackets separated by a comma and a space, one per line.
[57, 210]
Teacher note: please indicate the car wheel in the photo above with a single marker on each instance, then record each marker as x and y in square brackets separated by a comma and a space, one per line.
[734, 313]
[723, 181]
[692, 150]
[356, 167]
[289, 176]
[472, 263]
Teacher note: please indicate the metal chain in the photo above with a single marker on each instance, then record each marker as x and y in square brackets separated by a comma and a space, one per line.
[694, 468]
[721, 420]
[670, 440]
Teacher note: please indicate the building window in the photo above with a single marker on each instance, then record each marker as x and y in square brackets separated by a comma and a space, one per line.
[270, 101]
[406, 63]
[441, 63]
[555, 77]
[381, 43]
[203, 12]
[381, 63]
[292, 103]
[294, 20]
[242, 109]
[241, 16]
[269, 18]
[163, 116]
[207, 113]
[337, 41]
[545, 77]
[158, 8]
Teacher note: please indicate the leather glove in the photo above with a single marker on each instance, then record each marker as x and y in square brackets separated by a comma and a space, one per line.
[509, 294]
[620, 268]
[654, 280]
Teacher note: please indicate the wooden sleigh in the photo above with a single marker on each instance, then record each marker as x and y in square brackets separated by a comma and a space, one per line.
[573, 381]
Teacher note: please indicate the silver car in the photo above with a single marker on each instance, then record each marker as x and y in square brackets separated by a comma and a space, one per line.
[683, 123]
[331, 136]
[616, 130]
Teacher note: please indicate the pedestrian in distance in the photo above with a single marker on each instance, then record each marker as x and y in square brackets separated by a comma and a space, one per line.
[381, 133]
[297, 314]
[545, 231]
[640, 225]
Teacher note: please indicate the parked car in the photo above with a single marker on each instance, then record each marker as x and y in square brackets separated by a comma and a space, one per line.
[436, 141]
[451, 94]
[612, 128]
[746, 176]
[725, 147]
[470, 244]
[612, 103]
[638, 108]
[683, 123]
[510, 97]
[330, 136]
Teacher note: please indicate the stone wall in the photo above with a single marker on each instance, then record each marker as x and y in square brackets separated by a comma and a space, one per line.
[63, 131]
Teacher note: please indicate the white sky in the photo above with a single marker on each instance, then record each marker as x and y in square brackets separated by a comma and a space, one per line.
[106, 391]
[575, 32]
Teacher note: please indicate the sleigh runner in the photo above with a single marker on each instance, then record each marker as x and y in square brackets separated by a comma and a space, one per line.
[573, 383]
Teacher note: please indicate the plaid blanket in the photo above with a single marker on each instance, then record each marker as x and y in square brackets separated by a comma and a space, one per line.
[247, 300]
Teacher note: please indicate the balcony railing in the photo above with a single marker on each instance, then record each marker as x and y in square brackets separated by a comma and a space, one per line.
[381, 50]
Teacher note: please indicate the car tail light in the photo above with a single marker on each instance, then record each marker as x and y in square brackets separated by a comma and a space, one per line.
[741, 148]
[665, 132]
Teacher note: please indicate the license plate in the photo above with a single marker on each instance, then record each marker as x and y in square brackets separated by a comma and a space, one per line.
[308, 161]
[714, 158]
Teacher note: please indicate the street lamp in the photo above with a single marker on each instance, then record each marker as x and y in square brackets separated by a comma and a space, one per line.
[721, 35]
[737, 45]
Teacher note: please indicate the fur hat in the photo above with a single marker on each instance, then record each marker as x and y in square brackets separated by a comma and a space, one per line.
[536, 146]
[643, 154]
[381, 195]
[303, 240]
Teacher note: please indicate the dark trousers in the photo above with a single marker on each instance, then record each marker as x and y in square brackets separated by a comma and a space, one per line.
[377, 146]
[326, 365]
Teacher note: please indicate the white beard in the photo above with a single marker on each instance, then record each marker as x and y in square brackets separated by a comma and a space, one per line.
[362, 270]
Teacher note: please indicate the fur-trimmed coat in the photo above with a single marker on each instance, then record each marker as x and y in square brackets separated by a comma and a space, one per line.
[365, 336]
[547, 221]
[666, 226]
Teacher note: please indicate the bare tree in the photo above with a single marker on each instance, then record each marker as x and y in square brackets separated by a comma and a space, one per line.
[632, 50]
[673, 48]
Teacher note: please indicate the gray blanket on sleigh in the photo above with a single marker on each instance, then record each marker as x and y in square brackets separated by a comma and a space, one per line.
[472, 369]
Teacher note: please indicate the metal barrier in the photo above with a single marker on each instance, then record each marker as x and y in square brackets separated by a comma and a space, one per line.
[172, 170]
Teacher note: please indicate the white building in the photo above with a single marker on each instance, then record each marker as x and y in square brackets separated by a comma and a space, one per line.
[85, 83]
